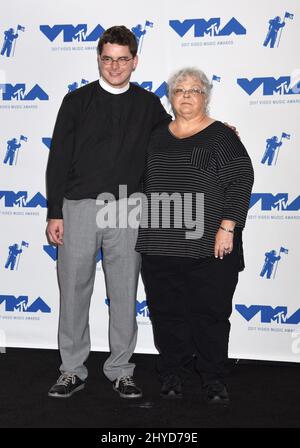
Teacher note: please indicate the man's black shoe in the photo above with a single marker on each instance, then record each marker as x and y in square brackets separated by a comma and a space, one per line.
[171, 386]
[66, 385]
[216, 393]
[126, 387]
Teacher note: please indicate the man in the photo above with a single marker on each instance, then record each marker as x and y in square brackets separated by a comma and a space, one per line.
[99, 142]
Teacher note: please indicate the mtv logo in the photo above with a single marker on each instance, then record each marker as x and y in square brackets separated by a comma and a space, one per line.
[20, 199]
[20, 303]
[275, 202]
[18, 92]
[72, 33]
[268, 314]
[210, 27]
[270, 86]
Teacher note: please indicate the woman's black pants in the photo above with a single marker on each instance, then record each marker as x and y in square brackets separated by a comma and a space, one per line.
[190, 302]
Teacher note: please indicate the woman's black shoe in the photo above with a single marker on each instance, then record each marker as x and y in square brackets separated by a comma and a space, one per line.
[216, 393]
[171, 387]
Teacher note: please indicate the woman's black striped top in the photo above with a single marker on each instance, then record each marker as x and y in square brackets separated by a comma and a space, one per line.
[191, 184]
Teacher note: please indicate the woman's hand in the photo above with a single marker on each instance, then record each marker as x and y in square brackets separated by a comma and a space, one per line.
[223, 243]
[224, 239]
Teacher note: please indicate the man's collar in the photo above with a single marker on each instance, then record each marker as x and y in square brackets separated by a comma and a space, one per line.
[113, 90]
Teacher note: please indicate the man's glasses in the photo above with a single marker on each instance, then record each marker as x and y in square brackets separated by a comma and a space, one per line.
[123, 60]
[193, 92]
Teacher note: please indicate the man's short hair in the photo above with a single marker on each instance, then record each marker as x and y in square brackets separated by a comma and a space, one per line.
[118, 35]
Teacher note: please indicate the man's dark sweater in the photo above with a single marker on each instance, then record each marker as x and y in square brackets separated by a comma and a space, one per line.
[100, 142]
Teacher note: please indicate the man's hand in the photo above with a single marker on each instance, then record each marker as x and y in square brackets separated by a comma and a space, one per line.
[233, 128]
[55, 231]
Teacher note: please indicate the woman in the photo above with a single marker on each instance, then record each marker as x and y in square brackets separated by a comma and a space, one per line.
[190, 275]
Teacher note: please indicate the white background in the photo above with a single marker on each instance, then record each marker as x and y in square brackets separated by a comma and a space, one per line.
[55, 65]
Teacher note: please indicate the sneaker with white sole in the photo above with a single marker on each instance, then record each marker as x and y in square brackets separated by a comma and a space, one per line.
[66, 385]
[126, 387]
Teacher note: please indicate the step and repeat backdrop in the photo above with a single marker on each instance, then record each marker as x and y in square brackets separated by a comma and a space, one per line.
[250, 52]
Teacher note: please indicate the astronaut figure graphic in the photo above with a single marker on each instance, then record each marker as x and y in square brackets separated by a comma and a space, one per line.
[12, 147]
[270, 259]
[274, 26]
[272, 145]
[139, 31]
[271, 262]
[13, 252]
[9, 38]
[75, 85]
[272, 148]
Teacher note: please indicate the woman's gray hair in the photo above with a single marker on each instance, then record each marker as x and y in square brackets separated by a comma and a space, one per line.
[194, 73]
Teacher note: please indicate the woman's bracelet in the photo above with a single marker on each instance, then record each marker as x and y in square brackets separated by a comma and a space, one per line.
[226, 230]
